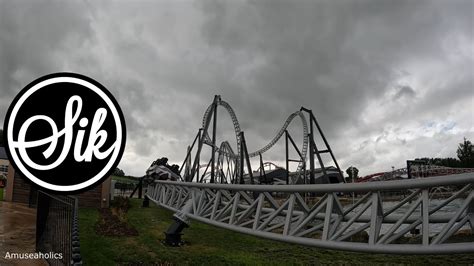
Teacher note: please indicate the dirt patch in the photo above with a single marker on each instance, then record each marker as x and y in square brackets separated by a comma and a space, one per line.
[113, 222]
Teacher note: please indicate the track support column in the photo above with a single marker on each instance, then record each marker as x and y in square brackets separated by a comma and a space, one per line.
[173, 233]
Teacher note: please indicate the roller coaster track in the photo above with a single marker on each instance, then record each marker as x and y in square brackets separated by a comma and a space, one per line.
[373, 223]
[415, 216]
[225, 148]
[421, 171]
[223, 157]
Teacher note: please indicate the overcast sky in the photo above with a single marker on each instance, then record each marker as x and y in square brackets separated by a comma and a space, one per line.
[387, 80]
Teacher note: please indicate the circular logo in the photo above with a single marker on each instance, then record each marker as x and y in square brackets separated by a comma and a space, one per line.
[65, 132]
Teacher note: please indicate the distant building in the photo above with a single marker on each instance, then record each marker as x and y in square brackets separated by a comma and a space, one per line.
[19, 190]
[278, 176]
[4, 162]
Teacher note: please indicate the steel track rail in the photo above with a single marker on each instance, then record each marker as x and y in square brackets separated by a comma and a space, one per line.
[340, 187]
[282, 213]
[268, 146]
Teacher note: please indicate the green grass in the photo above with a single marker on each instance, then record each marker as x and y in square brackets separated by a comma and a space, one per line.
[209, 245]
[1, 194]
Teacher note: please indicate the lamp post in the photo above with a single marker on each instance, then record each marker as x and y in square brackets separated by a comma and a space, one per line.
[352, 176]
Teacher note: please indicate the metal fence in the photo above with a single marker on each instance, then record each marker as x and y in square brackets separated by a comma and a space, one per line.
[422, 222]
[124, 189]
[57, 230]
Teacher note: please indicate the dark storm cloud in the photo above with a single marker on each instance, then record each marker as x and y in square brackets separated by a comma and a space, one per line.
[375, 73]
[404, 91]
[337, 57]
[30, 37]
[333, 57]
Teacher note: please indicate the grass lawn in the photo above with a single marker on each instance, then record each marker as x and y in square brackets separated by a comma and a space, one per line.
[209, 245]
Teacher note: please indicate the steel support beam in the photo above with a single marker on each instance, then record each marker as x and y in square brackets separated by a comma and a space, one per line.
[280, 213]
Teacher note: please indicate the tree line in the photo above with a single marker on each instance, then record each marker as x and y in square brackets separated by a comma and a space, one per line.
[465, 159]
[464, 152]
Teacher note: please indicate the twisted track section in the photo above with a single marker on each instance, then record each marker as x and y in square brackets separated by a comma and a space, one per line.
[265, 148]
[235, 121]
[283, 213]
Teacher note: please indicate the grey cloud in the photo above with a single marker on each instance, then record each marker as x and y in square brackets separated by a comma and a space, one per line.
[35, 42]
[346, 60]
[404, 90]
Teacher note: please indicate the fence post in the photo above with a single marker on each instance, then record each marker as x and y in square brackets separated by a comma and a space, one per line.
[75, 244]
[57, 228]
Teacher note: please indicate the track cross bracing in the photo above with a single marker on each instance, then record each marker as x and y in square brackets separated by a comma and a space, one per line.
[370, 224]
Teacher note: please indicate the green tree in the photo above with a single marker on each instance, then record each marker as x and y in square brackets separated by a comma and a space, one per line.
[448, 162]
[353, 173]
[466, 153]
[118, 172]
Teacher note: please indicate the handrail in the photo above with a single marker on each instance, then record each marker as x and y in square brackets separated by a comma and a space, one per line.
[326, 221]
[457, 179]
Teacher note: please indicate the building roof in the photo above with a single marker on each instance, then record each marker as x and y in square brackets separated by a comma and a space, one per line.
[3, 154]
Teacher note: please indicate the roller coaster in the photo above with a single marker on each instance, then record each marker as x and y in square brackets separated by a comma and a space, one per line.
[414, 171]
[389, 216]
[229, 166]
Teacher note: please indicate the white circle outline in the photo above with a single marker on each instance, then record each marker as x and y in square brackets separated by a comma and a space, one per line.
[104, 97]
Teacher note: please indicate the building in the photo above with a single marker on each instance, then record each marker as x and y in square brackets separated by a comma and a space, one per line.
[4, 162]
[19, 190]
